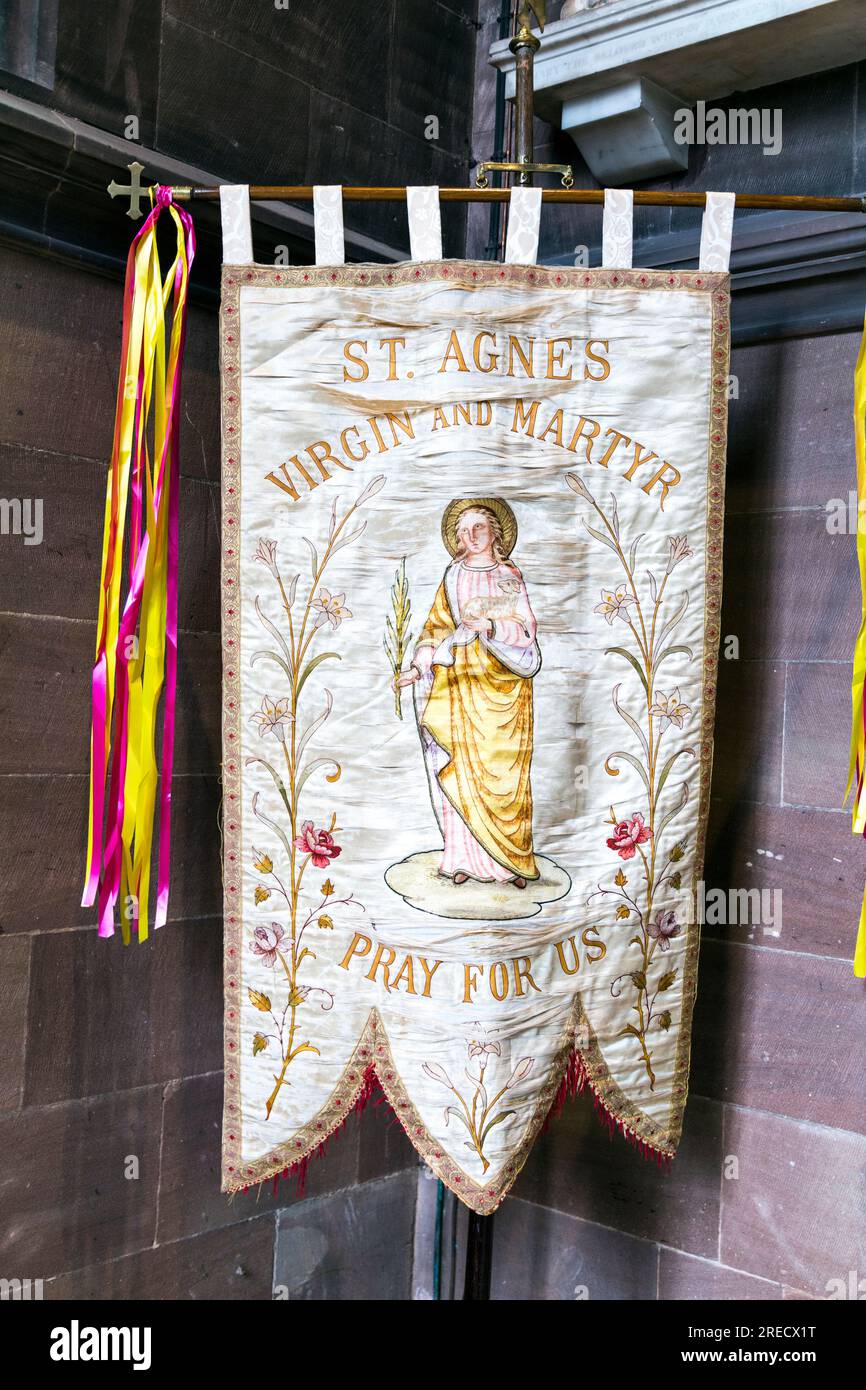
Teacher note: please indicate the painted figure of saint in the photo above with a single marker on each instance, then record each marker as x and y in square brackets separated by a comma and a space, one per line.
[472, 672]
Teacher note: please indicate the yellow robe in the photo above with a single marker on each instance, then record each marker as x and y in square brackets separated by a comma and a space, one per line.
[480, 713]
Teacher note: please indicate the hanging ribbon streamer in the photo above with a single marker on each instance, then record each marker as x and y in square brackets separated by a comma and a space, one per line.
[857, 760]
[136, 640]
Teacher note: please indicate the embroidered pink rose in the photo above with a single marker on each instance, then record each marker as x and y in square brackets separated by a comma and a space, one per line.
[267, 940]
[317, 843]
[627, 834]
[663, 928]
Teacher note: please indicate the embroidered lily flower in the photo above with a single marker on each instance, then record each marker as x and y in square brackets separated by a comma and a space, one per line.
[330, 608]
[481, 1049]
[576, 483]
[437, 1072]
[628, 834]
[679, 550]
[521, 1071]
[375, 485]
[271, 718]
[266, 552]
[267, 940]
[663, 928]
[614, 604]
[668, 709]
[317, 843]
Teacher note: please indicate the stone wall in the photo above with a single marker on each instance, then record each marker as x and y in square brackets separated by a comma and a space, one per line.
[111, 1055]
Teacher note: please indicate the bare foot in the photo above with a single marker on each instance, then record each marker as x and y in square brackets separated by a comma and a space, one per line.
[461, 878]
[519, 882]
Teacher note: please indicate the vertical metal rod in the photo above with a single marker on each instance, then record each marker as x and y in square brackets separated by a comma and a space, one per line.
[437, 1240]
[479, 1258]
[492, 252]
[524, 46]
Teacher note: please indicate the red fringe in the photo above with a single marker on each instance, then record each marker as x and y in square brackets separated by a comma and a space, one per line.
[371, 1091]
[574, 1081]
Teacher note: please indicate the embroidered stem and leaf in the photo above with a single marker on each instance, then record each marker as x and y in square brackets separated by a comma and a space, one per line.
[639, 837]
[304, 844]
[478, 1112]
[397, 634]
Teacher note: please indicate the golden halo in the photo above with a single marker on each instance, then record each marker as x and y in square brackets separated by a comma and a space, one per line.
[500, 509]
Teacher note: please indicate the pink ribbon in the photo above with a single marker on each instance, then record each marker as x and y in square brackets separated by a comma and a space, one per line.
[99, 717]
[111, 857]
[169, 712]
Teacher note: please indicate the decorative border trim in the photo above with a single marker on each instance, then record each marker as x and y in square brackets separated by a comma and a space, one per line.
[464, 274]
[373, 1053]
[373, 1048]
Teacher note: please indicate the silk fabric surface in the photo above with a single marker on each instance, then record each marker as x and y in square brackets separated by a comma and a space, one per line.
[504, 485]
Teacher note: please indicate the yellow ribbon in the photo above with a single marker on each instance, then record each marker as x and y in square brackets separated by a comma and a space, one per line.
[134, 634]
[857, 756]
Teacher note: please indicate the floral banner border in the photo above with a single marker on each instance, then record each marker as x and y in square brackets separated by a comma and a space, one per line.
[373, 1050]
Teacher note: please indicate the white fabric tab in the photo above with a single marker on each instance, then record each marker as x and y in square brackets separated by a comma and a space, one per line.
[716, 230]
[617, 229]
[328, 223]
[425, 223]
[235, 217]
[524, 220]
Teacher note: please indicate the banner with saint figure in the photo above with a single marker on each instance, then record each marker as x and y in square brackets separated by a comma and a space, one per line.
[472, 521]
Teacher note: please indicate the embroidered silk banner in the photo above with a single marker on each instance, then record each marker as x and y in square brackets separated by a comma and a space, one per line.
[472, 521]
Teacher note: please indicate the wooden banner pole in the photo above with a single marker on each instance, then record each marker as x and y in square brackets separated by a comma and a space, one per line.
[479, 1258]
[303, 193]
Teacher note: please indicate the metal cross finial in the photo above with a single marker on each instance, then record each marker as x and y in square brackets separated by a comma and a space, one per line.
[524, 46]
[133, 188]
[537, 8]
